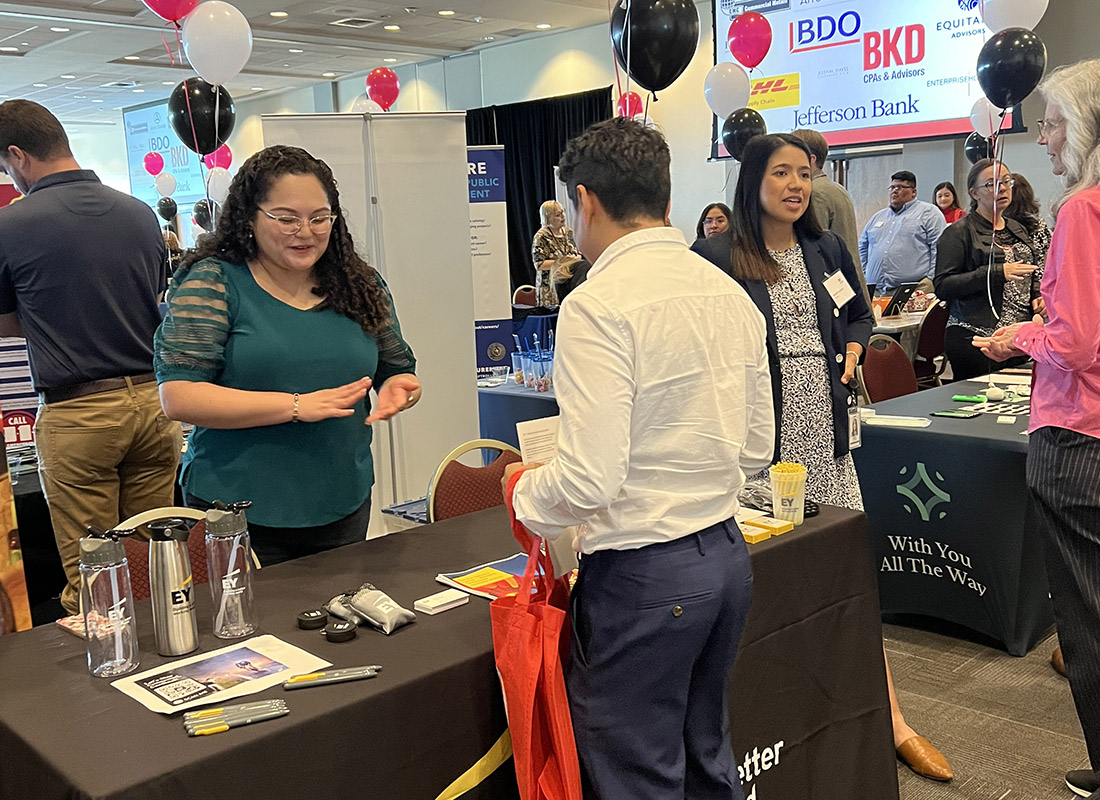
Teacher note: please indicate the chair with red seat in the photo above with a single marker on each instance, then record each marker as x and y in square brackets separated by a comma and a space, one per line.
[930, 346]
[524, 295]
[886, 371]
[137, 553]
[457, 489]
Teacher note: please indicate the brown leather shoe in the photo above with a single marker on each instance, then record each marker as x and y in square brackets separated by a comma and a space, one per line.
[1058, 662]
[920, 756]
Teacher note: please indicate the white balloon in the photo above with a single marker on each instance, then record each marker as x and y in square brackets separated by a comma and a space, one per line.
[364, 105]
[165, 183]
[217, 41]
[1001, 14]
[217, 184]
[985, 117]
[726, 89]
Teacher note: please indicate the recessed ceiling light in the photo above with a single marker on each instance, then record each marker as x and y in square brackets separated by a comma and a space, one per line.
[167, 83]
[138, 91]
[25, 44]
[131, 58]
[392, 27]
[80, 97]
[487, 38]
[257, 88]
[390, 60]
[60, 30]
[40, 85]
[286, 65]
[296, 50]
[67, 77]
[328, 74]
[446, 13]
[96, 100]
[543, 26]
[9, 49]
[278, 14]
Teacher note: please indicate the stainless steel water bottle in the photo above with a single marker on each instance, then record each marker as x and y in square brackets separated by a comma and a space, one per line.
[107, 604]
[229, 563]
[172, 590]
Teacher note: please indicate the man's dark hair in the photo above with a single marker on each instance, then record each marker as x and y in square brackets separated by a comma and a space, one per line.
[905, 175]
[33, 129]
[819, 148]
[625, 164]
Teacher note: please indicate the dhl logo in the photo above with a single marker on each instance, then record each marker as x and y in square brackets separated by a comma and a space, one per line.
[778, 91]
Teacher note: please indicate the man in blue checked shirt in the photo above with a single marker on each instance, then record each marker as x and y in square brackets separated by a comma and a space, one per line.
[898, 244]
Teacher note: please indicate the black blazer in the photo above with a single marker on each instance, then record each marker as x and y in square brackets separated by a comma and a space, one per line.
[839, 326]
[962, 269]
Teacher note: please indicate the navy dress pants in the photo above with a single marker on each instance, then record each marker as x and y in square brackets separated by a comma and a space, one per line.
[654, 635]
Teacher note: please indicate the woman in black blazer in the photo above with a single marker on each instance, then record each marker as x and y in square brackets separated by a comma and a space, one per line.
[982, 298]
[818, 322]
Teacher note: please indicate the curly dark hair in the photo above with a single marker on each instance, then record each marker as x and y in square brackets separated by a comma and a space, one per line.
[349, 285]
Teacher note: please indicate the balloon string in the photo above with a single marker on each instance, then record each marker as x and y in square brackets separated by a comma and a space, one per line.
[629, 45]
[614, 60]
[164, 39]
[195, 141]
[645, 114]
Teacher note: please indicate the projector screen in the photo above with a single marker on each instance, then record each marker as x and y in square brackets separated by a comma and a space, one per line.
[863, 71]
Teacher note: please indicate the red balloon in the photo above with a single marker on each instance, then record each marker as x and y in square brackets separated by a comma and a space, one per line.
[629, 105]
[154, 163]
[171, 10]
[750, 38]
[383, 86]
[222, 157]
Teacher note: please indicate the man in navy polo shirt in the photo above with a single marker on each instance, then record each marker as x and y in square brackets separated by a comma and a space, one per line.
[81, 269]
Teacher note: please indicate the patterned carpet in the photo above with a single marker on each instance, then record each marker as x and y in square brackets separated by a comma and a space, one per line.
[1007, 725]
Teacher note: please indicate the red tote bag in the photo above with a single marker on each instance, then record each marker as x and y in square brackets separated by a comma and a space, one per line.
[530, 630]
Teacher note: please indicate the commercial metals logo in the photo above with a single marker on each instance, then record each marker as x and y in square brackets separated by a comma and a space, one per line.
[779, 91]
[924, 501]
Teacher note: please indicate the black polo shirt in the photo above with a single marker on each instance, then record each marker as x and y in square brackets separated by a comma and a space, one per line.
[83, 266]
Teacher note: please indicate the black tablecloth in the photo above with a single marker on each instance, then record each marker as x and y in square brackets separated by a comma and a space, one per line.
[809, 675]
[949, 520]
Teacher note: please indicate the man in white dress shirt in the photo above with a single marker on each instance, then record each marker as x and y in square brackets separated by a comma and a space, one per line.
[662, 379]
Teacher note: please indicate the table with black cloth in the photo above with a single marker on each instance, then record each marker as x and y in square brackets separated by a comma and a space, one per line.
[948, 506]
[499, 408]
[808, 697]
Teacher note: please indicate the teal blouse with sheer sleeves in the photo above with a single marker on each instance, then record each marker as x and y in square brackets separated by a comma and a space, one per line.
[223, 328]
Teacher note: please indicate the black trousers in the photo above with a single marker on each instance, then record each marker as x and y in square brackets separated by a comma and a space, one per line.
[654, 634]
[1063, 476]
[275, 545]
[967, 361]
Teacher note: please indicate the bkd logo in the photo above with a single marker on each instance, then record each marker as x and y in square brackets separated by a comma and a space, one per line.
[824, 31]
[897, 47]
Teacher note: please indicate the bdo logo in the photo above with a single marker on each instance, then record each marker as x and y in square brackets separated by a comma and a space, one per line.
[824, 31]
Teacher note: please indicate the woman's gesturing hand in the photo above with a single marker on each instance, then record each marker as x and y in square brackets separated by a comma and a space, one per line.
[329, 403]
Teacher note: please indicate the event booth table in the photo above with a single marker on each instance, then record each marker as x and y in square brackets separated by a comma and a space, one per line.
[501, 407]
[808, 696]
[949, 519]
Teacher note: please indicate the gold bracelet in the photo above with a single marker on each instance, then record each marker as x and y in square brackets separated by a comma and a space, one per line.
[852, 353]
[294, 413]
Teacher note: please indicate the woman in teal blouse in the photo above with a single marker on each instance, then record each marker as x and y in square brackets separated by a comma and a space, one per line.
[275, 332]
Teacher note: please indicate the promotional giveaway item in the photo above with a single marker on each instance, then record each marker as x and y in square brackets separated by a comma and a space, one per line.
[172, 589]
[219, 720]
[788, 491]
[368, 605]
[107, 604]
[229, 564]
[331, 676]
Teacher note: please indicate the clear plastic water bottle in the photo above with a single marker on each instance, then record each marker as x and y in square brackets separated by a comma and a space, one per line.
[229, 563]
[107, 603]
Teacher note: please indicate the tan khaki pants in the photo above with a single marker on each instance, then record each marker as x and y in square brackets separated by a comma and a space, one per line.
[103, 458]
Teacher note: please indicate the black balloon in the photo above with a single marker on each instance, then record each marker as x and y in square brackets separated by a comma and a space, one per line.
[201, 214]
[739, 127]
[202, 115]
[661, 40]
[167, 209]
[1010, 66]
[978, 147]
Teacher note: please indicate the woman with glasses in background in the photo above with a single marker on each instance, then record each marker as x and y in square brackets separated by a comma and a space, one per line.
[985, 290]
[276, 331]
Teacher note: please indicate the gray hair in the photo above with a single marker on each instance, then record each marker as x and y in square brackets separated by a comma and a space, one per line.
[1075, 90]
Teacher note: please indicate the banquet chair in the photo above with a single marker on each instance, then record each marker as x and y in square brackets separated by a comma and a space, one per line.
[524, 295]
[457, 489]
[930, 346]
[886, 371]
[137, 555]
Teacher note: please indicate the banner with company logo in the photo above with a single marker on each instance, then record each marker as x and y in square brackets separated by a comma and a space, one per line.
[489, 254]
[862, 71]
[15, 609]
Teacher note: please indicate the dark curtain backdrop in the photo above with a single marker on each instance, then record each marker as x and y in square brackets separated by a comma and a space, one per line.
[534, 135]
